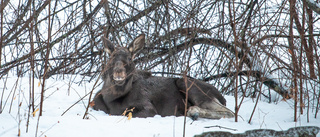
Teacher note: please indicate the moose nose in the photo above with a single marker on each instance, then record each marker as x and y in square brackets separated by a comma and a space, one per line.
[119, 70]
[118, 63]
[118, 67]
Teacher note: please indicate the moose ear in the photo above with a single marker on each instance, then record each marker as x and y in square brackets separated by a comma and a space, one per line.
[108, 46]
[137, 44]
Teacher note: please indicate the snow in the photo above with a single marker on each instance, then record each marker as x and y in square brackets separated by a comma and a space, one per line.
[61, 94]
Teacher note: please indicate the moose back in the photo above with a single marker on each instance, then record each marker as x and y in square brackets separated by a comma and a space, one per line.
[127, 88]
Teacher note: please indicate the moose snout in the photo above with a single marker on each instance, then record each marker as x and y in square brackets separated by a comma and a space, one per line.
[119, 71]
[118, 67]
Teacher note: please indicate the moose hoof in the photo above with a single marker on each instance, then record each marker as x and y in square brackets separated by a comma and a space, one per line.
[193, 112]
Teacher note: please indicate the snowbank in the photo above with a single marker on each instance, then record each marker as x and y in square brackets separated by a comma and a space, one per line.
[61, 94]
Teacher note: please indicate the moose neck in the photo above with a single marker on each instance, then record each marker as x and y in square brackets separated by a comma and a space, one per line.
[117, 91]
[125, 88]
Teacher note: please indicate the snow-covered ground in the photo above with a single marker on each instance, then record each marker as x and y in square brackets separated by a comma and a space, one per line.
[61, 94]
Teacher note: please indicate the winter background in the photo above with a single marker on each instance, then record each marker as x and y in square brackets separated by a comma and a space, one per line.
[75, 59]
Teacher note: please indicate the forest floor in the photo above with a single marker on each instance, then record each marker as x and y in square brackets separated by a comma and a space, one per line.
[61, 94]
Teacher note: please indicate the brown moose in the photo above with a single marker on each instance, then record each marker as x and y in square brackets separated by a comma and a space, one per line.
[125, 87]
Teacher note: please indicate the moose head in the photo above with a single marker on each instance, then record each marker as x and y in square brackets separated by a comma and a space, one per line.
[120, 65]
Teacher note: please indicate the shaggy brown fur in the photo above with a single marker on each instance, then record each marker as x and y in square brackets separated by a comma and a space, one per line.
[125, 88]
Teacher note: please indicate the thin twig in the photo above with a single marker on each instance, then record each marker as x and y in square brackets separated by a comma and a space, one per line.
[221, 127]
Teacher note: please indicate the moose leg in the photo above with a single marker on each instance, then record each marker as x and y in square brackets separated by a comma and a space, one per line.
[143, 108]
[207, 101]
[212, 110]
[146, 112]
[98, 103]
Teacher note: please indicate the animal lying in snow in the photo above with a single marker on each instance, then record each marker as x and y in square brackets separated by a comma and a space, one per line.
[126, 88]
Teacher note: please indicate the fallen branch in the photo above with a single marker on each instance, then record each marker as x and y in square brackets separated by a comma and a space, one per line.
[221, 127]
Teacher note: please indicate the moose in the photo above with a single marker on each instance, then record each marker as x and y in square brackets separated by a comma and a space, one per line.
[126, 87]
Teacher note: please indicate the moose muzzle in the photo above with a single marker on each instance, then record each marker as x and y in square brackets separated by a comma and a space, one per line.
[119, 72]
